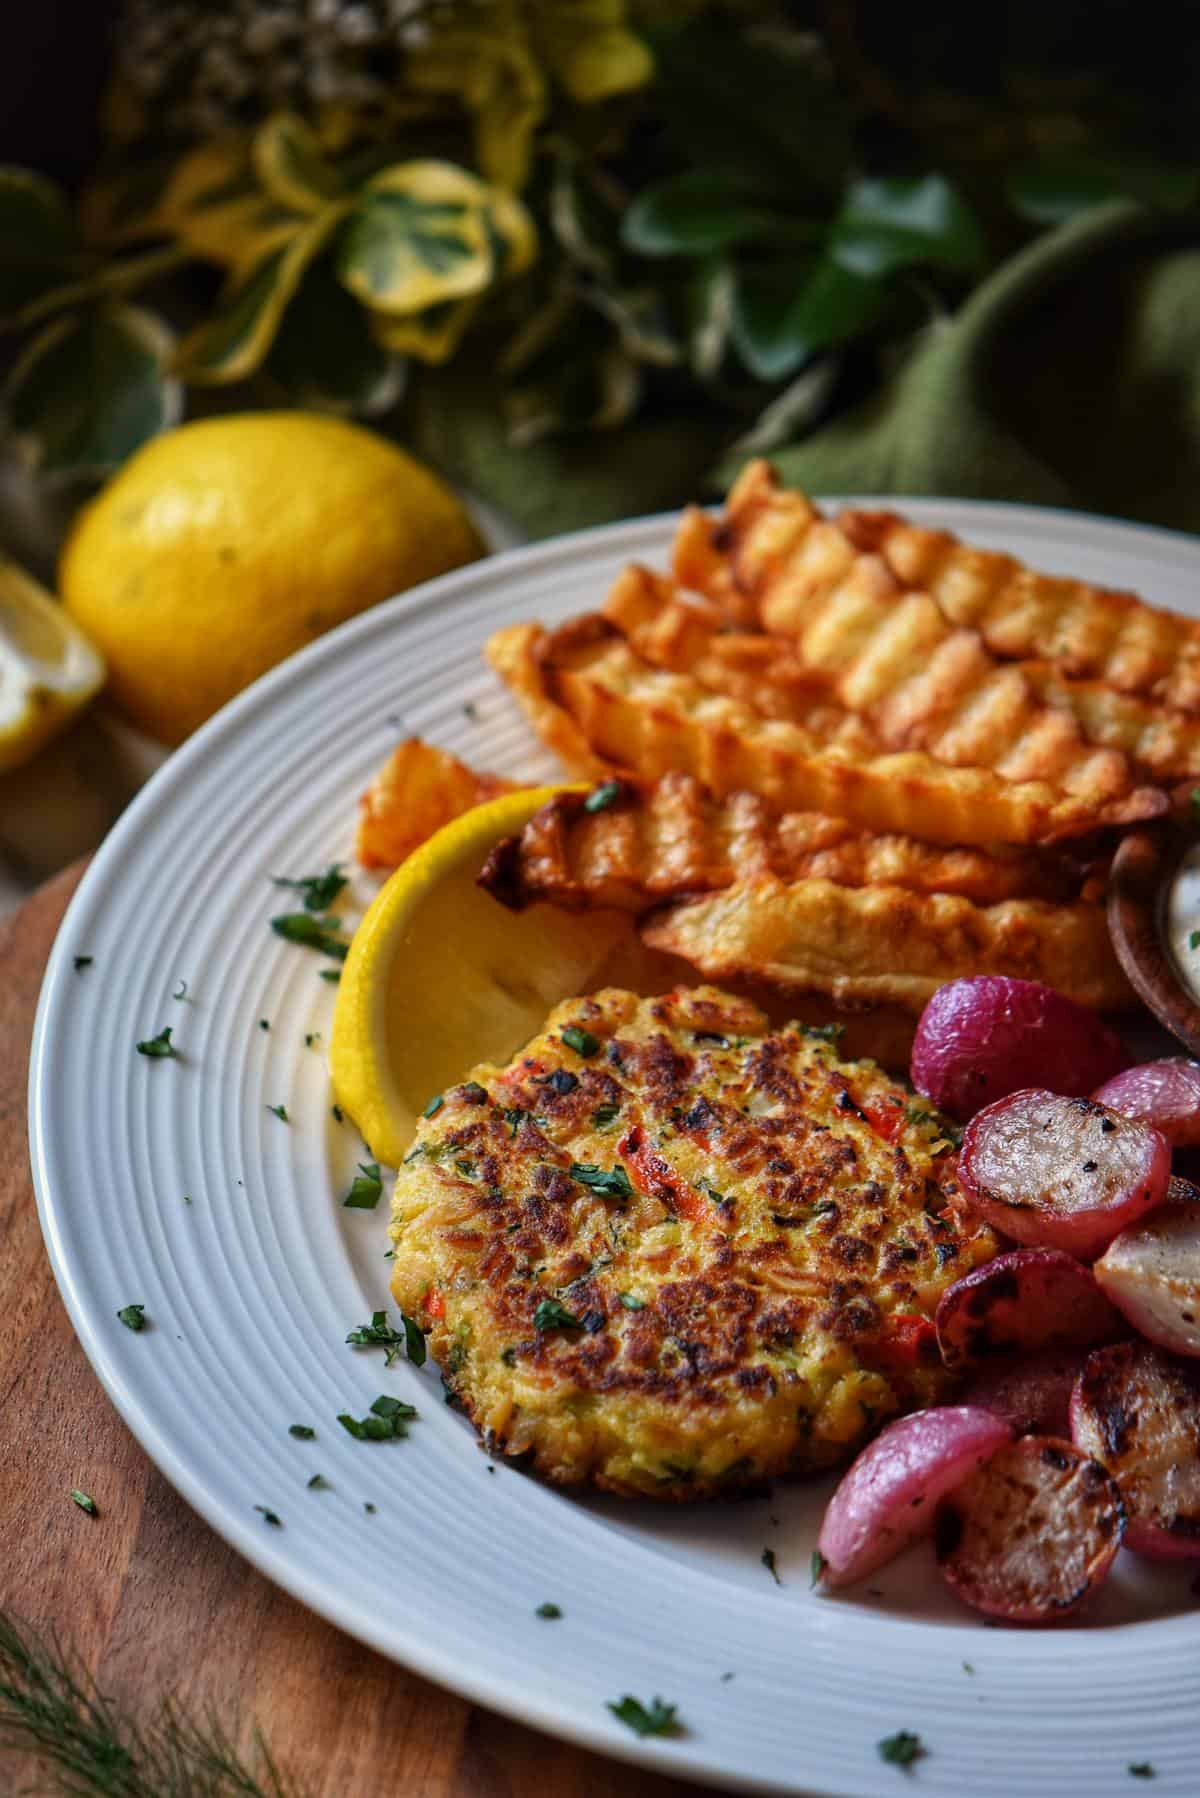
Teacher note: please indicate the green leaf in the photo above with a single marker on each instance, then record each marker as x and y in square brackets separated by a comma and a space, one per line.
[417, 236]
[39, 245]
[312, 933]
[158, 1048]
[1048, 189]
[325, 353]
[133, 1317]
[233, 342]
[91, 389]
[366, 1190]
[551, 1315]
[291, 166]
[902, 1749]
[783, 316]
[655, 1719]
[888, 224]
[699, 211]
[318, 891]
[612, 1183]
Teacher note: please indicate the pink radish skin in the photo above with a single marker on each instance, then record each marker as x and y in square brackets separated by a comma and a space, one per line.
[1138, 1411]
[1031, 1393]
[887, 1498]
[1062, 1173]
[1163, 1093]
[1032, 1535]
[1025, 1300]
[982, 1038]
[1152, 1272]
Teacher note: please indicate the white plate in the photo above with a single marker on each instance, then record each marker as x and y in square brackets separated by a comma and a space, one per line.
[251, 1288]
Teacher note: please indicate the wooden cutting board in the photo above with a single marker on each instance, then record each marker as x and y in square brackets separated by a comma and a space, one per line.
[152, 1599]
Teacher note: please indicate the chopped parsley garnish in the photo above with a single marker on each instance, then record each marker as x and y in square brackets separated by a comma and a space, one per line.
[470, 710]
[658, 1719]
[82, 962]
[368, 1507]
[311, 933]
[821, 1033]
[1194, 940]
[816, 1568]
[133, 1316]
[338, 1114]
[967, 1667]
[631, 1301]
[614, 1183]
[158, 1048]
[183, 991]
[514, 1117]
[331, 974]
[767, 1557]
[601, 797]
[318, 1483]
[561, 1081]
[379, 1334]
[303, 1432]
[473, 1093]
[264, 1023]
[604, 1114]
[386, 1420]
[85, 1502]
[902, 1749]
[367, 1188]
[311, 1037]
[551, 1315]
[434, 1106]
[279, 1111]
[317, 891]
[549, 1611]
[1142, 1770]
[582, 1041]
[268, 1516]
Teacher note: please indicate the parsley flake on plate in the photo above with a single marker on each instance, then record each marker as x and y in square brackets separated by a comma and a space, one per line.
[582, 1041]
[767, 1557]
[612, 1183]
[279, 1111]
[902, 1749]
[158, 1048]
[133, 1316]
[816, 1568]
[367, 1188]
[551, 1315]
[657, 1719]
[380, 1334]
[85, 1502]
[339, 1116]
[269, 1517]
[82, 962]
[318, 1483]
[317, 891]
[311, 933]
[387, 1419]
[549, 1611]
[1142, 1770]
[331, 974]
[303, 1432]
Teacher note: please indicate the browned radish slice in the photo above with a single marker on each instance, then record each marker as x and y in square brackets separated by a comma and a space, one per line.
[1152, 1272]
[1025, 1300]
[1032, 1393]
[889, 1494]
[1031, 1535]
[1163, 1093]
[1062, 1173]
[1138, 1411]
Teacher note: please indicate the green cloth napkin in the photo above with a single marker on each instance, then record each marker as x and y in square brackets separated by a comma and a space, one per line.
[1070, 378]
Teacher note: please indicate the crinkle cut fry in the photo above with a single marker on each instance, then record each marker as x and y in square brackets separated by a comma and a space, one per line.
[668, 839]
[515, 653]
[1087, 632]
[418, 790]
[884, 945]
[590, 685]
[889, 650]
[940, 702]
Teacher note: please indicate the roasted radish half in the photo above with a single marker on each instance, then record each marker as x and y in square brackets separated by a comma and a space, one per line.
[1062, 1173]
[1031, 1535]
[1027, 1299]
[1138, 1411]
[1152, 1272]
[1163, 1093]
[1031, 1393]
[888, 1496]
[982, 1038]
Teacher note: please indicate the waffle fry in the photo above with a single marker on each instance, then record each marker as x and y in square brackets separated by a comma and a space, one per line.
[583, 684]
[909, 692]
[418, 789]
[884, 945]
[892, 652]
[1087, 632]
[668, 838]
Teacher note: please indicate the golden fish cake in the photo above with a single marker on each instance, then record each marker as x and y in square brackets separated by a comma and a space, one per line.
[671, 1251]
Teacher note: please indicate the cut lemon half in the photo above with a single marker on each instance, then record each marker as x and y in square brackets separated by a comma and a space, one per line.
[48, 668]
[441, 976]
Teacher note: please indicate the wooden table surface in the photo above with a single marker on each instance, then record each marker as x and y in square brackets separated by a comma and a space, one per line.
[154, 1601]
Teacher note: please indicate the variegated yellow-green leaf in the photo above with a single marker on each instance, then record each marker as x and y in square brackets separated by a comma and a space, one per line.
[90, 389]
[38, 242]
[233, 341]
[216, 208]
[497, 78]
[513, 234]
[431, 336]
[418, 235]
[589, 48]
[290, 165]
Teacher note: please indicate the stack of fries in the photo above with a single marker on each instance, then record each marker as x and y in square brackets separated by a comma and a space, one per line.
[846, 756]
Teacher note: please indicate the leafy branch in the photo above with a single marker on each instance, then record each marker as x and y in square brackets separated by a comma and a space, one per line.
[52, 1711]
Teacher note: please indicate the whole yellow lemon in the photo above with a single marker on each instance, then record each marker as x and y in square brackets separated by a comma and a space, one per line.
[224, 546]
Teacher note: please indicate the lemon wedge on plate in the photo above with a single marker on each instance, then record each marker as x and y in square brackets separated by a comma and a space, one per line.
[48, 668]
[441, 976]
